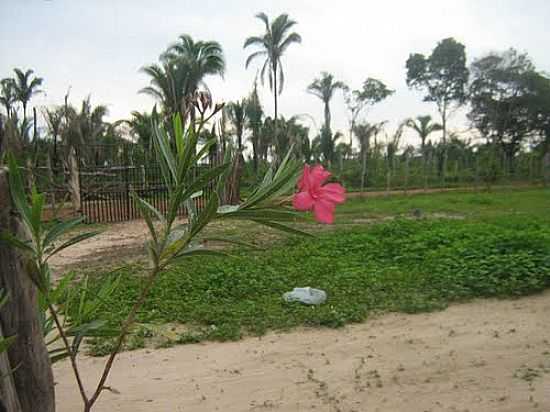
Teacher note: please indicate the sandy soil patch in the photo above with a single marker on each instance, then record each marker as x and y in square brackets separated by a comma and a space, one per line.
[483, 356]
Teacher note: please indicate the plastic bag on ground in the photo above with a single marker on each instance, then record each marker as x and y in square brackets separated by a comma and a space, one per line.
[307, 296]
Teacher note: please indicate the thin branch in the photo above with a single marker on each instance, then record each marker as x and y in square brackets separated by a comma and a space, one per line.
[123, 333]
[72, 355]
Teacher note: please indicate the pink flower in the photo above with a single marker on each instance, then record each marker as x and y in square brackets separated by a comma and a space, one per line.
[313, 196]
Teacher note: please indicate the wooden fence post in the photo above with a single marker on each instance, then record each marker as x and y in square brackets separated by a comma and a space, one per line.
[33, 378]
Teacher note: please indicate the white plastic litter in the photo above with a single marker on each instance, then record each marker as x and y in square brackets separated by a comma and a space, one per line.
[308, 296]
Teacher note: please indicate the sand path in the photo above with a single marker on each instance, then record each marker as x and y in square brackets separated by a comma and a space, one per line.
[482, 356]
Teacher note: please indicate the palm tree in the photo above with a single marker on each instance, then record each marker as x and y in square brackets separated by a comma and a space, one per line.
[182, 70]
[141, 126]
[364, 132]
[167, 86]
[324, 88]
[423, 126]
[84, 128]
[25, 87]
[328, 142]
[254, 114]
[7, 94]
[236, 112]
[54, 119]
[202, 58]
[273, 44]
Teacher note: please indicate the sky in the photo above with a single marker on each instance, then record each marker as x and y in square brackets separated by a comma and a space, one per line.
[96, 47]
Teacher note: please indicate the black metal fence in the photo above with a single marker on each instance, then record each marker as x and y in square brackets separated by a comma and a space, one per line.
[106, 192]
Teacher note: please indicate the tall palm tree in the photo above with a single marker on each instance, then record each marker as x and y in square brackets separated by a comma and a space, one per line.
[423, 126]
[237, 115]
[324, 88]
[364, 132]
[84, 129]
[202, 58]
[272, 46]
[25, 87]
[141, 126]
[7, 94]
[182, 70]
[254, 114]
[54, 119]
[328, 141]
[167, 85]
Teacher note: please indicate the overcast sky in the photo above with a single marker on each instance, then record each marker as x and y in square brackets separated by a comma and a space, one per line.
[98, 46]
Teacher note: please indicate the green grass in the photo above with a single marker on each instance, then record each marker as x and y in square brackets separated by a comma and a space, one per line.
[501, 249]
[467, 204]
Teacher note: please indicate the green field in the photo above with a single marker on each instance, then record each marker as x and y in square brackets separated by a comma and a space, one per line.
[409, 254]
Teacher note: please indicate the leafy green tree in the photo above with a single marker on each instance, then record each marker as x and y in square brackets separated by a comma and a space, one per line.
[372, 92]
[443, 76]
[25, 87]
[324, 88]
[272, 46]
[503, 100]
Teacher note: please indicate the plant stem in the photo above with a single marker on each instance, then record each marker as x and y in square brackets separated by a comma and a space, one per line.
[72, 355]
[123, 333]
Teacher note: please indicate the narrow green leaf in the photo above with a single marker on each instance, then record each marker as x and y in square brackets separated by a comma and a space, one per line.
[73, 241]
[17, 190]
[282, 227]
[15, 242]
[178, 133]
[60, 229]
[234, 242]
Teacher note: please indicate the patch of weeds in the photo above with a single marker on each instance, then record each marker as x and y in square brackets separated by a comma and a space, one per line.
[530, 374]
[400, 265]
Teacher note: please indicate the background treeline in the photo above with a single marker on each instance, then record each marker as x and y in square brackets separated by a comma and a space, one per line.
[506, 98]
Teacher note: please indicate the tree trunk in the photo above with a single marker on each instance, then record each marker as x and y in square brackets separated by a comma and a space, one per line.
[444, 140]
[33, 379]
[275, 94]
[74, 180]
[9, 401]
[233, 188]
[327, 115]
[546, 168]
[2, 136]
[255, 153]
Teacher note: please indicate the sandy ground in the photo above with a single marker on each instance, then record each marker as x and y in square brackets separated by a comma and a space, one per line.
[482, 356]
[115, 242]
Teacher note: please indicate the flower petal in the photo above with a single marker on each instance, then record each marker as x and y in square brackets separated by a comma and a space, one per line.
[333, 192]
[318, 175]
[302, 201]
[304, 182]
[323, 211]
